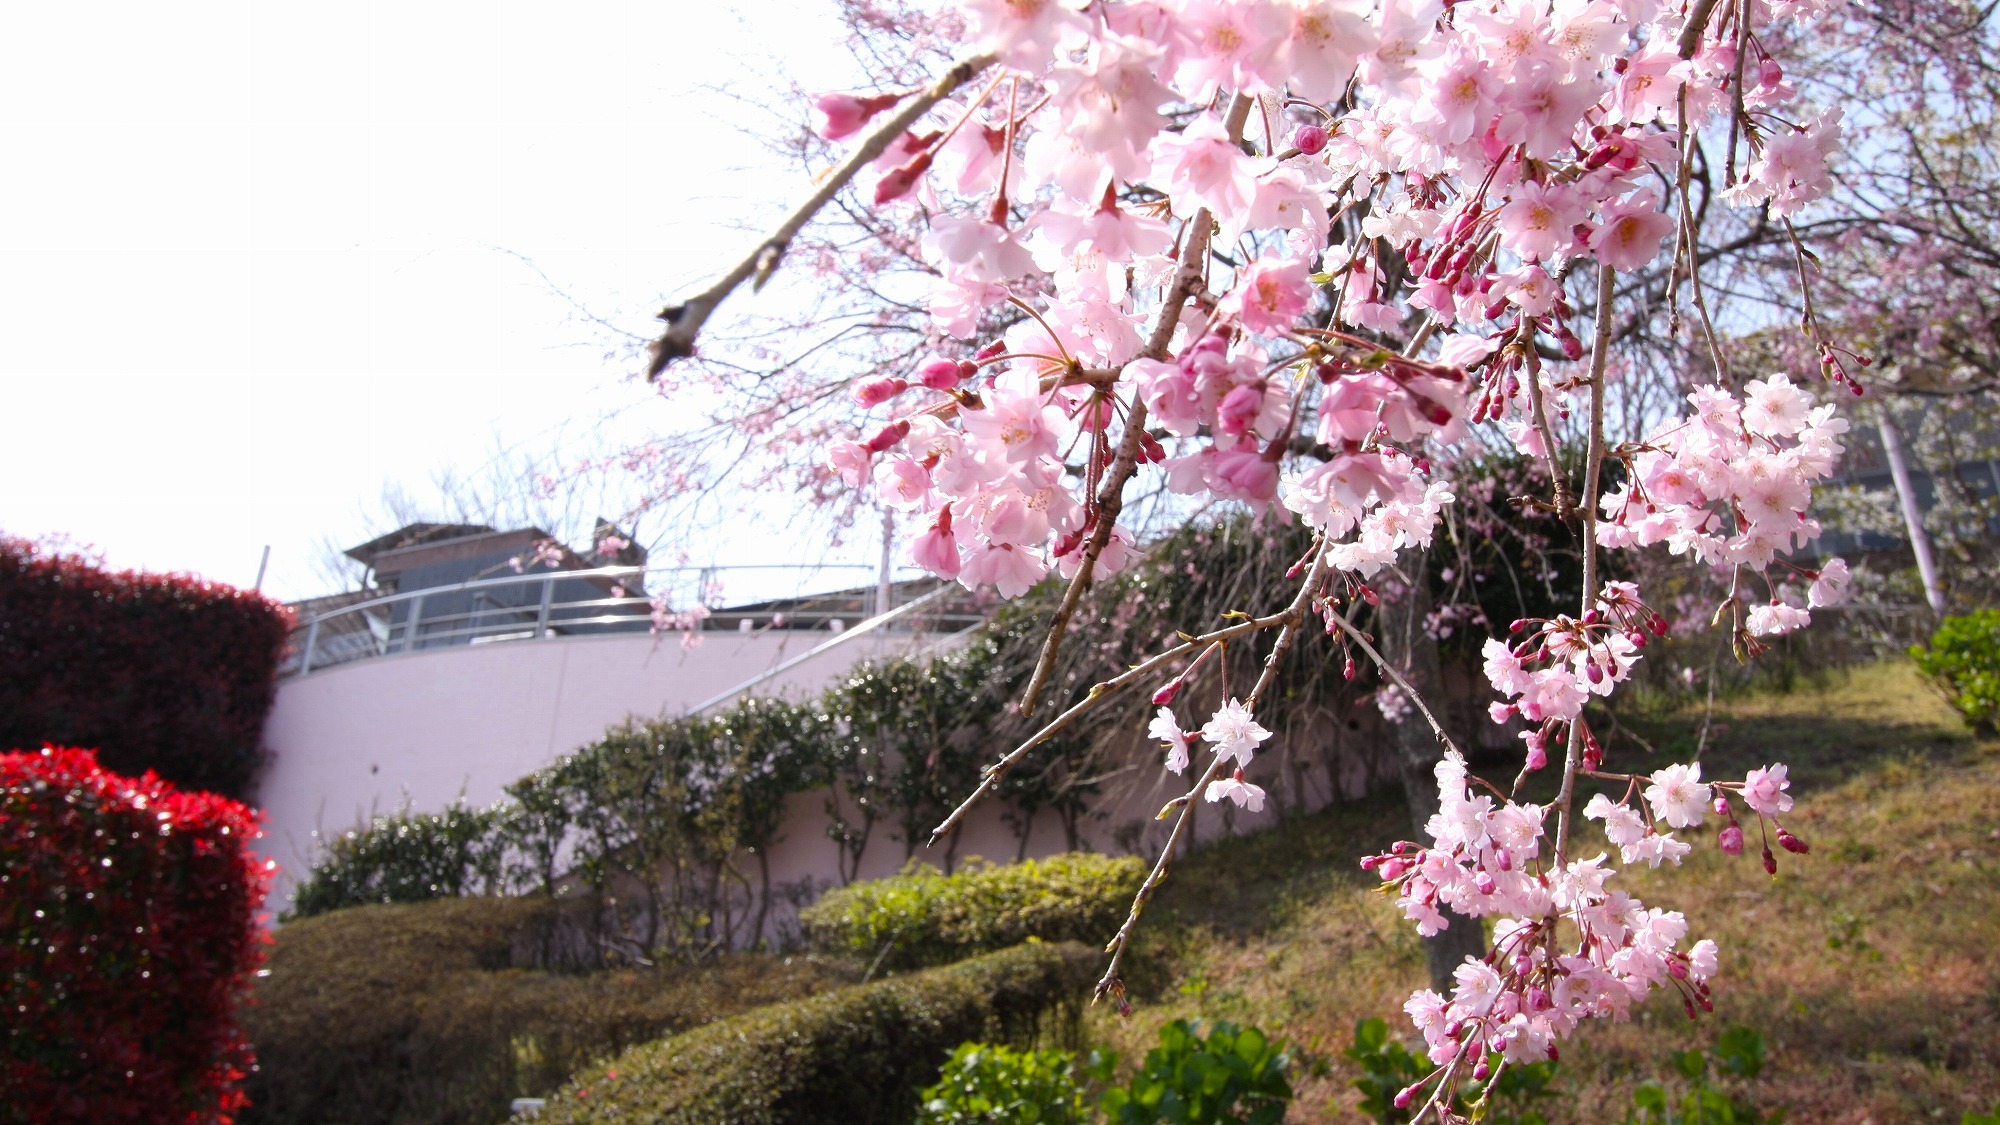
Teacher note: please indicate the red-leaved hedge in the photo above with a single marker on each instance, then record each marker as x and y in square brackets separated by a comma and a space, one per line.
[128, 934]
[161, 672]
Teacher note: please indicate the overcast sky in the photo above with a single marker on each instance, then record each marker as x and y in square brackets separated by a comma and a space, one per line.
[258, 259]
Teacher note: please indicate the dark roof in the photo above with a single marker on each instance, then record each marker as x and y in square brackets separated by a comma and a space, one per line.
[412, 535]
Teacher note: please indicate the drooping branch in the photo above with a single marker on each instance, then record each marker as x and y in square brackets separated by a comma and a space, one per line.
[1111, 495]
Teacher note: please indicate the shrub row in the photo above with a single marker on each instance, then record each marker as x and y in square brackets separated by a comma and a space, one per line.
[857, 1055]
[420, 1014]
[160, 672]
[127, 938]
[924, 917]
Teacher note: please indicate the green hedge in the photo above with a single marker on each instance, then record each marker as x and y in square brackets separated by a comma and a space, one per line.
[856, 1055]
[924, 917]
[1963, 660]
[413, 1014]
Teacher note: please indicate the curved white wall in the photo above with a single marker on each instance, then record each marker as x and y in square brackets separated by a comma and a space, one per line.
[427, 727]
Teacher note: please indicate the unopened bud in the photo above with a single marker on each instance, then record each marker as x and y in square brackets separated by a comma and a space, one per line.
[940, 374]
[1792, 843]
[1731, 840]
[1481, 1072]
[1770, 861]
[1309, 139]
[1408, 1095]
[899, 182]
[888, 436]
[839, 116]
[992, 351]
[1165, 696]
[869, 393]
[1720, 805]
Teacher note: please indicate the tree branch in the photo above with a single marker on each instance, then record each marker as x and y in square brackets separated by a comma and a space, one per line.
[685, 320]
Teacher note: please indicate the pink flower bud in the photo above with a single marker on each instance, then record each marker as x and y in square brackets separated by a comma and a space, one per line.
[1165, 696]
[940, 374]
[1408, 1095]
[888, 436]
[1721, 805]
[899, 182]
[1731, 840]
[839, 116]
[1309, 139]
[1792, 843]
[870, 393]
[1393, 869]
[1769, 73]
[1770, 861]
[1481, 1072]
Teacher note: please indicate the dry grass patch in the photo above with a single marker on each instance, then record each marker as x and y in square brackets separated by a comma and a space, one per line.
[1869, 966]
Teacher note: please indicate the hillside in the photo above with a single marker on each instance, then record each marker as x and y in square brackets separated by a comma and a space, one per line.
[1869, 966]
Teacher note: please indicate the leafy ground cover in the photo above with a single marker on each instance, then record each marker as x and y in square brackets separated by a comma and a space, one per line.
[1869, 966]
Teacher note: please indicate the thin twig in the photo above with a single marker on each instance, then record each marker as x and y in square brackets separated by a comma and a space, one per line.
[992, 775]
[1292, 615]
[1593, 465]
[1111, 494]
[685, 320]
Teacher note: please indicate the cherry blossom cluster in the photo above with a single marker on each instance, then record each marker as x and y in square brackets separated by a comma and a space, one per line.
[1568, 947]
[1290, 253]
[1730, 485]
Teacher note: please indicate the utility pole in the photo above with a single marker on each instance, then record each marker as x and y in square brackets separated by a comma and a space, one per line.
[1913, 516]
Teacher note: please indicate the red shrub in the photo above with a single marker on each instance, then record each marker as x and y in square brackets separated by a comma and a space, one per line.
[160, 672]
[128, 933]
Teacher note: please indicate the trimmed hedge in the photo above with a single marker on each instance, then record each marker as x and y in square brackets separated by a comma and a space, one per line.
[160, 672]
[925, 917]
[379, 1015]
[405, 857]
[128, 934]
[857, 1055]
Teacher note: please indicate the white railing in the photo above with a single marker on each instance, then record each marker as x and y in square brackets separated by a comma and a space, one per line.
[556, 603]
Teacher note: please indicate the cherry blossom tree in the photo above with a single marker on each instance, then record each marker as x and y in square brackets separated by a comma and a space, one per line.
[1316, 258]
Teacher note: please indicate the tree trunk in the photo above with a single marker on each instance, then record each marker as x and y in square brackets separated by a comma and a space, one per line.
[763, 896]
[1409, 646]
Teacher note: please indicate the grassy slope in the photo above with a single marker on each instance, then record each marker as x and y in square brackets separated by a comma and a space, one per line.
[1870, 965]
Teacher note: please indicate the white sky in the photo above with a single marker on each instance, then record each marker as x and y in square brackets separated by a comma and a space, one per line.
[258, 259]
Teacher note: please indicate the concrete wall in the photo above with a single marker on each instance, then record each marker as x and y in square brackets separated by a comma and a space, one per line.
[426, 728]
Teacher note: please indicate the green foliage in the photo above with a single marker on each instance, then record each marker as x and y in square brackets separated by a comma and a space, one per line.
[1739, 1052]
[417, 1014]
[924, 917]
[404, 857]
[1233, 1075]
[988, 1083]
[1388, 1068]
[1963, 660]
[858, 1054]
[1981, 1118]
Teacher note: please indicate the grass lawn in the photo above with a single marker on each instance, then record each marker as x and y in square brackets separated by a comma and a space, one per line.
[1869, 966]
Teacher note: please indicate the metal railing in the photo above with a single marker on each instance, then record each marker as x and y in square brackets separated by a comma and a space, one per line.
[523, 607]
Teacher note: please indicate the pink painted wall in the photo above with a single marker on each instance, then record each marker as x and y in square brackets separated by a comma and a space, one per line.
[426, 728]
